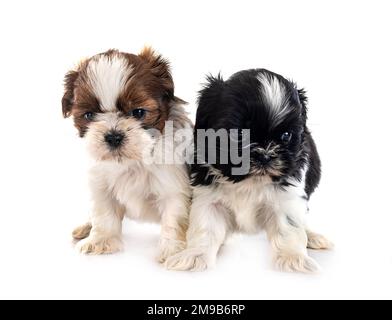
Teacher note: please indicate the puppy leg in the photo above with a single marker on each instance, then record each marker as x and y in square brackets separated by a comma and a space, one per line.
[317, 241]
[174, 222]
[82, 231]
[287, 234]
[207, 231]
[106, 221]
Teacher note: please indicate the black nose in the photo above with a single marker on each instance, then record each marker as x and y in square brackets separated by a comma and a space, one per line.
[264, 158]
[114, 139]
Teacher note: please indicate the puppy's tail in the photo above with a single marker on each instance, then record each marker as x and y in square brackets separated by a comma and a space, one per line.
[82, 232]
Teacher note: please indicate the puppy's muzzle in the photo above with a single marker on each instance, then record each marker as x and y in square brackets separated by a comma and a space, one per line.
[114, 139]
[263, 156]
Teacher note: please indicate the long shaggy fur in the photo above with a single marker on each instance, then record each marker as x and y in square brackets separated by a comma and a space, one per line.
[105, 95]
[284, 171]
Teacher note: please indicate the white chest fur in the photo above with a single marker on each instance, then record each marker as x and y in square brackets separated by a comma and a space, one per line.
[140, 188]
[247, 201]
[251, 203]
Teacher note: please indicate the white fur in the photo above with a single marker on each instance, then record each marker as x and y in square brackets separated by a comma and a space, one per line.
[300, 184]
[275, 93]
[129, 187]
[108, 75]
[248, 206]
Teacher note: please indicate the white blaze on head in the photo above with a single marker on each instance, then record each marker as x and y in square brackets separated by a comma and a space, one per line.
[275, 96]
[108, 75]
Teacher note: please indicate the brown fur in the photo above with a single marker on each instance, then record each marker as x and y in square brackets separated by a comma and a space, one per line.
[150, 86]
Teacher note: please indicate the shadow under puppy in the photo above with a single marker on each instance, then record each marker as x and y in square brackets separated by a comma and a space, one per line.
[124, 106]
[284, 169]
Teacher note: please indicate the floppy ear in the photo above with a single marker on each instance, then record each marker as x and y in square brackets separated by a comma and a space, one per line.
[68, 97]
[304, 100]
[159, 67]
[211, 92]
[209, 98]
[302, 97]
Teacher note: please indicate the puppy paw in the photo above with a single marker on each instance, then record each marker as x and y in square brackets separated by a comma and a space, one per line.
[168, 248]
[296, 263]
[82, 232]
[188, 259]
[94, 246]
[318, 242]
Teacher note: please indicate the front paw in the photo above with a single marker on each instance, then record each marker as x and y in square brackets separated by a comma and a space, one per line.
[189, 259]
[296, 263]
[92, 245]
[168, 248]
[318, 242]
[82, 232]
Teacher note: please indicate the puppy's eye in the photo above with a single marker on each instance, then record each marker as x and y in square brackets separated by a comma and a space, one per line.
[89, 116]
[138, 113]
[286, 137]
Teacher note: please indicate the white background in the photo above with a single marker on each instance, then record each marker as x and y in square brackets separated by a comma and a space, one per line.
[340, 51]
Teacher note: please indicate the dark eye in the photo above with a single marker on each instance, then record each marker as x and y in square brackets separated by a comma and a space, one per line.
[286, 137]
[138, 113]
[89, 116]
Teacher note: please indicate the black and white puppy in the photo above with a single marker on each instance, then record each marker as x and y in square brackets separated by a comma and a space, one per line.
[284, 170]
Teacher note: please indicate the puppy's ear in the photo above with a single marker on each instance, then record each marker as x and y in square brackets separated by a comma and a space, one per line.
[209, 99]
[302, 97]
[212, 89]
[304, 101]
[159, 67]
[68, 98]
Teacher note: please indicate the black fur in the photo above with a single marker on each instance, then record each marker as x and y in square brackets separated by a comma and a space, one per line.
[240, 103]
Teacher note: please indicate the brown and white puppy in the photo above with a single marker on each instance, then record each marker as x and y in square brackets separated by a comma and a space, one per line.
[124, 106]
